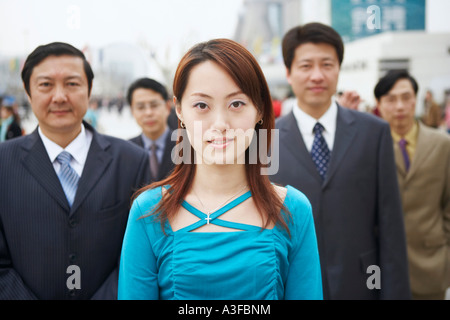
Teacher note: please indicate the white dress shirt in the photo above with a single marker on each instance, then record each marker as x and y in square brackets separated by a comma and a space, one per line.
[78, 148]
[306, 124]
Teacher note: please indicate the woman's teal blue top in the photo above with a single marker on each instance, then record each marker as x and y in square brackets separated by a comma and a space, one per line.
[249, 264]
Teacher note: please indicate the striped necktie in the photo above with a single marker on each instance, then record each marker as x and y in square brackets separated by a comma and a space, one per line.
[67, 175]
[402, 144]
[320, 152]
[154, 161]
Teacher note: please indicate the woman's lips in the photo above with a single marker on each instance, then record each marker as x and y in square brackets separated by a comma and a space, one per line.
[220, 143]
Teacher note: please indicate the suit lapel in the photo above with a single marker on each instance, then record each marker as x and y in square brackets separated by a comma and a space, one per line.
[37, 162]
[166, 161]
[424, 148]
[138, 140]
[96, 163]
[399, 162]
[290, 134]
[344, 135]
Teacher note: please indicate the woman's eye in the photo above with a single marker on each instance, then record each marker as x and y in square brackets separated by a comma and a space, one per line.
[237, 104]
[201, 106]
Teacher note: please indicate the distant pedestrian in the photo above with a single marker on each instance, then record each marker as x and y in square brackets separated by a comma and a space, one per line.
[10, 123]
[432, 115]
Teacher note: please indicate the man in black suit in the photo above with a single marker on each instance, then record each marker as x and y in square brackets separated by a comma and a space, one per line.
[66, 189]
[151, 107]
[343, 161]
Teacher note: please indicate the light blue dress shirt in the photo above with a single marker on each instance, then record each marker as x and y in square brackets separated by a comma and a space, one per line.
[160, 142]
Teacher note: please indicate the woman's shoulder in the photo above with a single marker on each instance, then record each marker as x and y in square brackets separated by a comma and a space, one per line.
[297, 205]
[292, 197]
[149, 196]
[146, 201]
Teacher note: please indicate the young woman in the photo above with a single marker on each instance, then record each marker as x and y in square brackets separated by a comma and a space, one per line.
[10, 123]
[216, 228]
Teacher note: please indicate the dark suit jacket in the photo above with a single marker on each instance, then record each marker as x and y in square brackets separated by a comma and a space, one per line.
[40, 235]
[166, 165]
[357, 209]
[14, 130]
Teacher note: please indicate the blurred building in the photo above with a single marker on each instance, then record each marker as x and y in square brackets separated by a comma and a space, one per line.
[379, 35]
[357, 19]
[11, 81]
[115, 66]
[425, 55]
[261, 27]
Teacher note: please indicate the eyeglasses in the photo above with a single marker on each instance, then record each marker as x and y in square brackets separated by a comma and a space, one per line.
[393, 99]
[153, 105]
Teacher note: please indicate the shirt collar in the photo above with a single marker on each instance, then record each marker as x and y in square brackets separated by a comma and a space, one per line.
[78, 148]
[410, 136]
[306, 123]
[160, 142]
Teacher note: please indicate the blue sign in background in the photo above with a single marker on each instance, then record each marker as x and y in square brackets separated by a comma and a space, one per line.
[350, 17]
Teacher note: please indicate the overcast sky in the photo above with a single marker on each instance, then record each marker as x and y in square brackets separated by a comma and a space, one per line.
[25, 24]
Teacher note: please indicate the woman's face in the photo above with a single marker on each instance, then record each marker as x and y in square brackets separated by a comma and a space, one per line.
[219, 118]
[5, 112]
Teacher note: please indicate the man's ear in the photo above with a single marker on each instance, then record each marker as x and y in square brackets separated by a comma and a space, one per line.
[288, 75]
[28, 94]
[28, 97]
[169, 105]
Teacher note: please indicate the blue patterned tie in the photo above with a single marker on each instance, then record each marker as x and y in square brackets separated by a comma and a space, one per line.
[67, 175]
[320, 152]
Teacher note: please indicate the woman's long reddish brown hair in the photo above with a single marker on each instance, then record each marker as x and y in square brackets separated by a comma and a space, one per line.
[239, 63]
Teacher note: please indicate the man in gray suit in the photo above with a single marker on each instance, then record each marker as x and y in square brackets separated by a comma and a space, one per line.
[343, 161]
[151, 107]
[66, 189]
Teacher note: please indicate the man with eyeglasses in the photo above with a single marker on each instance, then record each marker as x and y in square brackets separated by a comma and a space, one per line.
[422, 155]
[151, 106]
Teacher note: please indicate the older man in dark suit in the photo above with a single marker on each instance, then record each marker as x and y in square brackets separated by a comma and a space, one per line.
[343, 161]
[65, 189]
[151, 107]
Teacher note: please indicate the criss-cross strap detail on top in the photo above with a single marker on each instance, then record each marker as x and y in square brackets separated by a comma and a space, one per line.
[213, 217]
